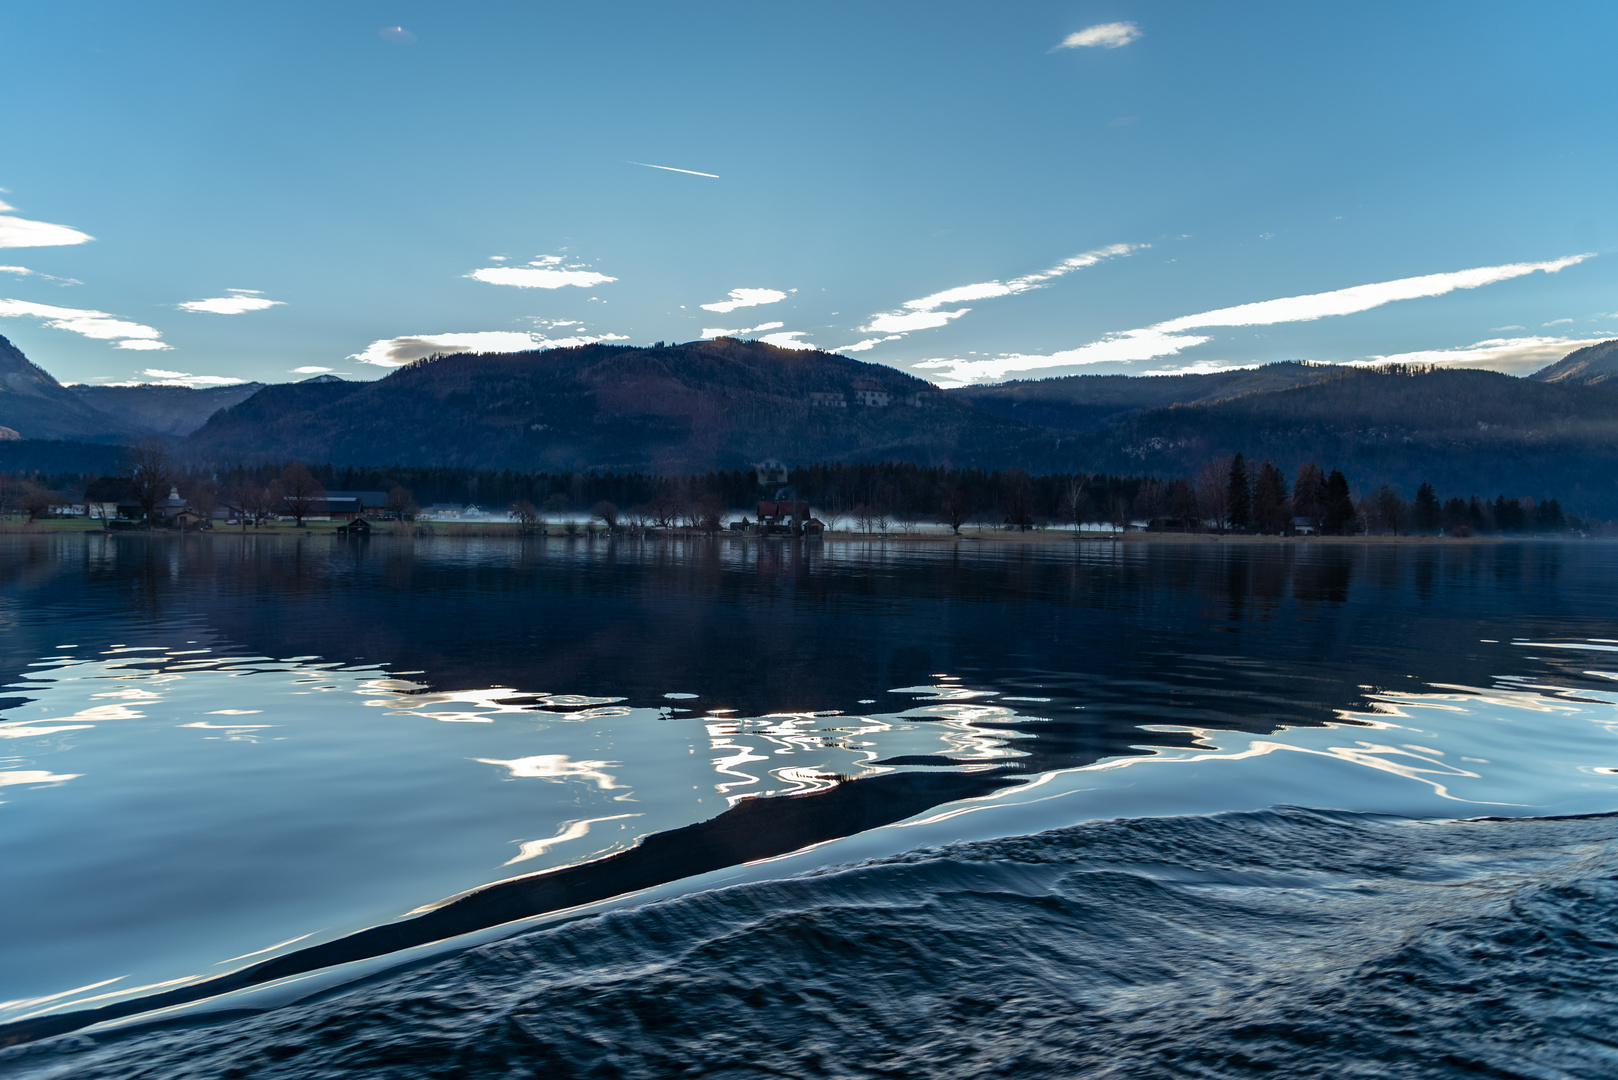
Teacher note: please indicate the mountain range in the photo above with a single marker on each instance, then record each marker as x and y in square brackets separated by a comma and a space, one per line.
[726, 403]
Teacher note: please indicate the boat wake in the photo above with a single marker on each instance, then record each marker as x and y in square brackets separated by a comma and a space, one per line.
[1290, 942]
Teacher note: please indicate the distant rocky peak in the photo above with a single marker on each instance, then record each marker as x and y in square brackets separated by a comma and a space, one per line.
[323, 379]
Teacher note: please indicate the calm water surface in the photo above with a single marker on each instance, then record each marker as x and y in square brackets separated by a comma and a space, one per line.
[216, 752]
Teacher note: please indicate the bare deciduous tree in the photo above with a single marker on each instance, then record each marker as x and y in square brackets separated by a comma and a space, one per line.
[151, 474]
[1075, 505]
[299, 491]
[1120, 516]
[710, 512]
[954, 509]
[402, 503]
[664, 511]
[36, 500]
[1213, 493]
[524, 513]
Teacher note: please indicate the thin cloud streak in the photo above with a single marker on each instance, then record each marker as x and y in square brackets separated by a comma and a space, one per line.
[23, 271]
[925, 313]
[161, 377]
[719, 331]
[16, 232]
[545, 272]
[1364, 297]
[239, 302]
[1169, 338]
[670, 168]
[91, 324]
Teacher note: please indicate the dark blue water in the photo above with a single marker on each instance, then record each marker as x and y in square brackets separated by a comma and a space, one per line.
[242, 771]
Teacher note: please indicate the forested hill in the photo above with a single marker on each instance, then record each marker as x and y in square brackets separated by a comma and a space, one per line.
[707, 405]
[163, 410]
[1462, 430]
[681, 408]
[36, 406]
[1589, 366]
[1093, 402]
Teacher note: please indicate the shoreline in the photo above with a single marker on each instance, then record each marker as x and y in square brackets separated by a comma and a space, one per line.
[494, 530]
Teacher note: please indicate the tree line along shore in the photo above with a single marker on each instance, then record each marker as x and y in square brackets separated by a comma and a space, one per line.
[1233, 496]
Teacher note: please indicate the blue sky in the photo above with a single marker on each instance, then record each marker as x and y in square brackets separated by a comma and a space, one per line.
[966, 191]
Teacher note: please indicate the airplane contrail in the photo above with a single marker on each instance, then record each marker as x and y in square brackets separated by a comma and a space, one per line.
[670, 168]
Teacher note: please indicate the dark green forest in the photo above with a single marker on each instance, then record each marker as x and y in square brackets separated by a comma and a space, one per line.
[1235, 494]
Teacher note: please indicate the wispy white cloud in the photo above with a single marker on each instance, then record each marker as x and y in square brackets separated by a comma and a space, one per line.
[1203, 367]
[238, 302]
[927, 312]
[1557, 322]
[867, 344]
[399, 351]
[545, 272]
[1110, 35]
[670, 168]
[311, 369]
[1169, 337]
[900, 323]
[16, 232]
[740, 298]
[719, 331]
[788, 340]
[1514, 356]
[23, 271]
[1363, 297]
[161, 377]
[92, 324]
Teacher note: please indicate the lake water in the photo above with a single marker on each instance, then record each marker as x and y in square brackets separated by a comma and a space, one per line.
[266, 766]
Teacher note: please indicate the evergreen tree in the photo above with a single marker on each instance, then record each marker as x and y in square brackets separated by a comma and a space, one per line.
[1338, 517]
[1239, 500]
[1508, 515]
[1425, 513]
[1478, 518]
[1453, 516]
[1270, 499]
[1309, 494]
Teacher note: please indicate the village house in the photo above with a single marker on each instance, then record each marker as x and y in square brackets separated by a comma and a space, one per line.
[782, 516]
[869, 392]
[335, 507]
[372, 503]
[171, 506]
